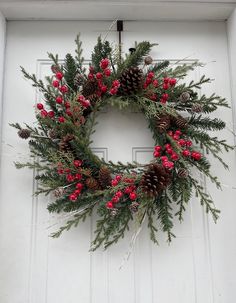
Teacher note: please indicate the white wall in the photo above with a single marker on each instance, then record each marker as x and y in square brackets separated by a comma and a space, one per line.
[231, 31]
[2, 52]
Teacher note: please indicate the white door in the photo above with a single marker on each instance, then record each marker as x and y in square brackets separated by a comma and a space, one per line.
[200, 264]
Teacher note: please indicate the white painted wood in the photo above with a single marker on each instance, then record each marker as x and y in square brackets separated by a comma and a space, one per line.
[198, 267]
[2, 54]
[111, 10]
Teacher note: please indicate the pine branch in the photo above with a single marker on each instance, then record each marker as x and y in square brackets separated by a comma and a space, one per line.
[79, 57]
[206, 123]
[70, 70]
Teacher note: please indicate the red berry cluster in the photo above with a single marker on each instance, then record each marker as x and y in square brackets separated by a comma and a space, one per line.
[75, 177]
[128, 190]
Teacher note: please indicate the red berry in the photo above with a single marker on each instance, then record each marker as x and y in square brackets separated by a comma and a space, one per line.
[85, 103]
[165, 96]
[103, 88]
[60, 171]
[44, 113]
[166, 80]
[155, 83]
[116, 83]
[99, 75]
[51, 114]
[164, 158]
[172, 81]
[114, 182]
[163, 101]
[118, 178]
[59, 99]
[176, 137]
[170, 133]
[78, 176]
[178, 132]
[174, 157]
[145, 85]
[156, 154]
[61, 119]
[67, 170]
[67, 104]
[165, 86]
[104, 63]
[119, 194]
[115, 199]
[128, 190]
[90, 76]
[73, 197]
[109, 204]
[168, 145]
[188, 143]
[153, 97]
[79, 186]
[64, 89]
[169, 151]
[78, 163]
[77, 192]
[59, 75]
[68, 112]
[70, 178]
[196, 156]
[55, 83]
[107, 72]
[148, 81]
[91, 69]
[158, 148]
[181, 142]
[133, 196]
[39, 106]
[186, 153]
[113, 91]
[150, 75]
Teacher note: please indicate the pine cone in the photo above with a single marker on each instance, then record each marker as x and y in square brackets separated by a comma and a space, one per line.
[148, 60]
[183, 173]
[134, 207]
[78, 80]
[89, 89]
[24, 133]
[184, 97]
[131, 81]
[180, 122]
[104, 177]
[197, 108]
[163, 123]
[155, 180]
[92, 183]
[58, 192]
[55, 68]
[65, 145]
[52, 134]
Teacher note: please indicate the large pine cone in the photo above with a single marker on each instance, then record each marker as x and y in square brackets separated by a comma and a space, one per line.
[155, 180]
[131, 81]
[163, 123]
[65, 145]
[24, 133]
[104, 177]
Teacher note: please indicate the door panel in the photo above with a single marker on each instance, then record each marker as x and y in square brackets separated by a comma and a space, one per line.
[38, 269]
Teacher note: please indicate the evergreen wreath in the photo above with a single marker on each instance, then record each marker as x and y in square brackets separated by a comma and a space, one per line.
[178, 117]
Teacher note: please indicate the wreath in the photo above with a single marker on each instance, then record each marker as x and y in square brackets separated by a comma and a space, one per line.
[177, 115]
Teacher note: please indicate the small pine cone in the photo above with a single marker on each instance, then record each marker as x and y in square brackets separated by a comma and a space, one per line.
[180, 122]
[114, 212]
[183, 173]
[52, 134]
[90, 88]
[55, 68]
[104, 177]
[78, 80]
[134, 207]
[197, 108]
[184, 97]
[58, 192]
[163, 123]
[148, 60]
[92, 183]
[65, 145]
[155, 180]
[24, 133]
[131, 81]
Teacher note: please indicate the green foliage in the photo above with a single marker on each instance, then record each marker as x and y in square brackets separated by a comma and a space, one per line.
[70, 70]
[101, 51]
